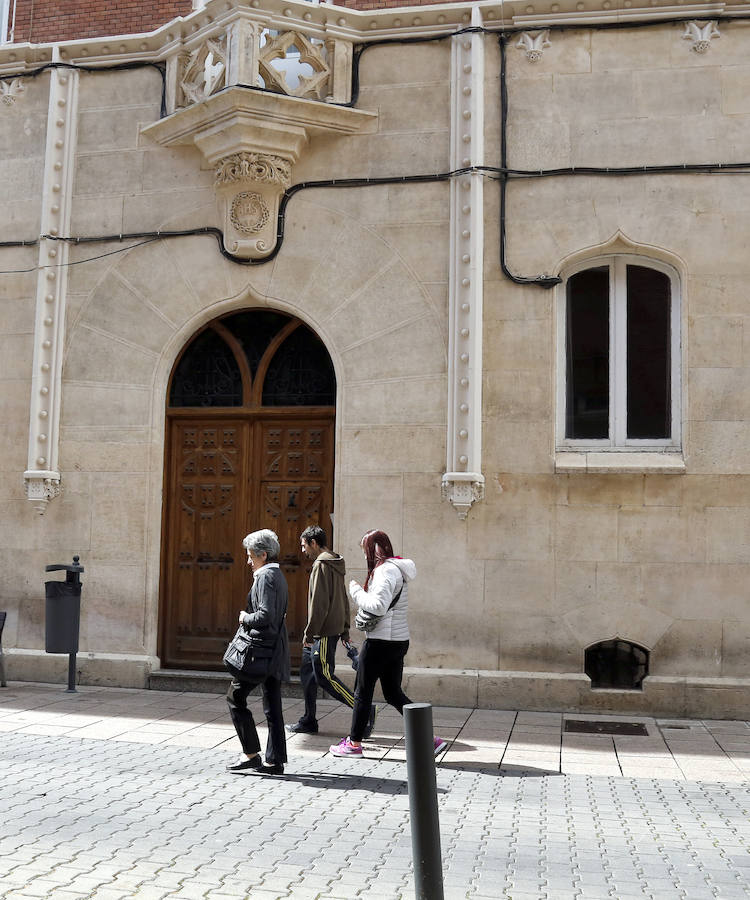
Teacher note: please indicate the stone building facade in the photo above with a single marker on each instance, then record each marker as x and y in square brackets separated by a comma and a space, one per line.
[471, 273]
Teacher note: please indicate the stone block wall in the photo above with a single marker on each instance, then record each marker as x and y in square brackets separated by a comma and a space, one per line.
[550, 561]
[573, 559]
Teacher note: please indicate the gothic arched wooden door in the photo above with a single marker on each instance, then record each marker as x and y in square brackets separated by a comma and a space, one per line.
[250, 444]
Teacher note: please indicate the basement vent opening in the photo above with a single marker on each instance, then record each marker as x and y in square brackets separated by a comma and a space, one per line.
[580, 726]
[616, 664]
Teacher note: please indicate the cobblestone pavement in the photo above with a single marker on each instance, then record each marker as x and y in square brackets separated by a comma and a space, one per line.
[114, 794]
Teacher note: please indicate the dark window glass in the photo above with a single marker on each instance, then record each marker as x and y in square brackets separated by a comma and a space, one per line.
[648, 349]
[587, 406]
[255, 330]
[301, 373]
[207, 375]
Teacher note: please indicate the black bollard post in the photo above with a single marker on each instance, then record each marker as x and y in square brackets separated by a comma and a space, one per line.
[423, 806]
[71, 674]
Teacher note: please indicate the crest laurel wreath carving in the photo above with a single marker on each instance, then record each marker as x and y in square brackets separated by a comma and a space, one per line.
[249, 213]
[254, 167]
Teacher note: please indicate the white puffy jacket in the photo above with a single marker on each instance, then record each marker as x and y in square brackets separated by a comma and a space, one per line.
[387, 579]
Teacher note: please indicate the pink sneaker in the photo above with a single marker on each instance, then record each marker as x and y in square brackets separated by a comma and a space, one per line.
[345, 748]
[440, 745]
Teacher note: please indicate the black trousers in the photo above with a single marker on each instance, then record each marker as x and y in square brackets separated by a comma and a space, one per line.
[317, 668]
[378, 661]
[244, 724]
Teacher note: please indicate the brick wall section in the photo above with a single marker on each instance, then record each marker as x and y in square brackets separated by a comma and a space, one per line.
[386, 4]
[45, 21]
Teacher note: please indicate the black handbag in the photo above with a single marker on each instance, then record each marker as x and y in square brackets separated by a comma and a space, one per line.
[247, 660]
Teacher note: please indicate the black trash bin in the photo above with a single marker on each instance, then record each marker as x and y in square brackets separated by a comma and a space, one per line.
[63, 615]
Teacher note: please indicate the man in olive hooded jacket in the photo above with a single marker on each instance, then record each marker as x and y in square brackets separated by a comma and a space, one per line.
[327, 622]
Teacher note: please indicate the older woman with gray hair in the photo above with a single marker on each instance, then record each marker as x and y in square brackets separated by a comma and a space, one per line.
[264, 618]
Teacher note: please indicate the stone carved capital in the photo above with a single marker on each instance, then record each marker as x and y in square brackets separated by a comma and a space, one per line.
[41, 487]
[462, 489]
[261, 167]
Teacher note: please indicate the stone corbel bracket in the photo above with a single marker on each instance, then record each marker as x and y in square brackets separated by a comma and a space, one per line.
[534, 45]
[42, 476]
[463, 483]
[10, 90]
[252, 139]
[249, 188]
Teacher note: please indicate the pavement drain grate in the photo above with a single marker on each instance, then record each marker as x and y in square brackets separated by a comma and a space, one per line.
[579, 726]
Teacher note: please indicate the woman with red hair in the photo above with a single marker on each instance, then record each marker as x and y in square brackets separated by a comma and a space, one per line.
[385, 594]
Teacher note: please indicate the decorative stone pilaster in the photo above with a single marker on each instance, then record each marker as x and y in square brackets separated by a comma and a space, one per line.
[463, 483]
[42, 476]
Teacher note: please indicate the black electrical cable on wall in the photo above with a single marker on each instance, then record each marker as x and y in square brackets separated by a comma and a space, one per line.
[115, 67]
[545, 281]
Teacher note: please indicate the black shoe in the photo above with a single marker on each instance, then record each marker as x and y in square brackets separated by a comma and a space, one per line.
[243, 764]
[302, 728]
[370, 721]
[272, 769]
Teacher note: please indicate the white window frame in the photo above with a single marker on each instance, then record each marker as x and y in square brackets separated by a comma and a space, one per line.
[617, 440]
[4, 21]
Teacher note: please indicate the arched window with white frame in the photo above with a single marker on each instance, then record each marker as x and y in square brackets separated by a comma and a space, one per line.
[619, 355]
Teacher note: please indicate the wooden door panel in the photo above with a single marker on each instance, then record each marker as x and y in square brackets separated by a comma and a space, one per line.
[288, 509]
[205, 565]
[296, 487]
[218, 491]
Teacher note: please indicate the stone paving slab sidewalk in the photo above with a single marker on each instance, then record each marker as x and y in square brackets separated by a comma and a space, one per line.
[115, 794]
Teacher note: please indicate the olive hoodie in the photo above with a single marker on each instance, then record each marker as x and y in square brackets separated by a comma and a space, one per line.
[327, 599]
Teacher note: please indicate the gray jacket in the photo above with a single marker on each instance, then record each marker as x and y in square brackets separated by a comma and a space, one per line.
[265, 616]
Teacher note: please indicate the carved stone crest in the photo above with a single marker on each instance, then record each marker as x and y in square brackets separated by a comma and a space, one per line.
[249, 213]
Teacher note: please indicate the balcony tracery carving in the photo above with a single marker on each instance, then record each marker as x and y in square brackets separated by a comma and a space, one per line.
[204, 71]
[250, 97]
[294, 51]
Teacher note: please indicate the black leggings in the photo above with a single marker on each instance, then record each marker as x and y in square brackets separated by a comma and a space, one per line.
[383, 661]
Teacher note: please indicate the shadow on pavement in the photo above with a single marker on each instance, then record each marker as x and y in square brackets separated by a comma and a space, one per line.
[348, 782]
[494, 769]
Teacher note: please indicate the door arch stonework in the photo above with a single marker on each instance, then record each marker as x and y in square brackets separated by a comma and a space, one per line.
[249, 444]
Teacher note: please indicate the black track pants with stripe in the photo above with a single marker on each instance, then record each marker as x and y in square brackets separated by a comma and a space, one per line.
[317, 669]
